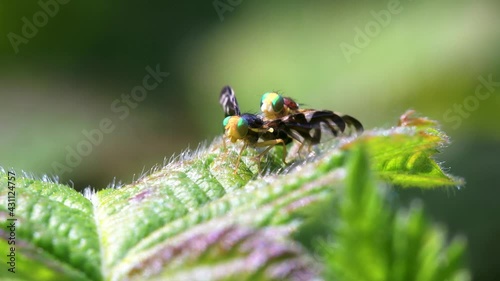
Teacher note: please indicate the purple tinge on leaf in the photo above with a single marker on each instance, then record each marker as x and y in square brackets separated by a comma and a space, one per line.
[215, 252]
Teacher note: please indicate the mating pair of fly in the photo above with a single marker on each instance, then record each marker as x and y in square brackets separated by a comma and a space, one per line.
[281, 121]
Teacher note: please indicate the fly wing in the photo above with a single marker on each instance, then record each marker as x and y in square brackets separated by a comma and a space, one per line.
[353, 122]
[307, 125]
[228, 102]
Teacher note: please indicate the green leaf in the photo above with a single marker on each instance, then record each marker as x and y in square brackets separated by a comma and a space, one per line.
[402, 155]
[371, 240]
[55, 232]
[197, 218]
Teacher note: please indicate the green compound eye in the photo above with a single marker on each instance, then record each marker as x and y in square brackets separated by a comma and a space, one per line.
[236, 127]
[226, 121]
[264, 97]
[242, 127]
[278, 103]
[272, 101]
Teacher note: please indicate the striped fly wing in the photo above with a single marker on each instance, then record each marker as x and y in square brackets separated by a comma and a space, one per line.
[353, 124]
[307, 126]
[228, 102]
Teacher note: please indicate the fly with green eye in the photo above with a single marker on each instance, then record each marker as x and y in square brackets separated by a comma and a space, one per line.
[249, 128]
[303, 125]
[274, 106]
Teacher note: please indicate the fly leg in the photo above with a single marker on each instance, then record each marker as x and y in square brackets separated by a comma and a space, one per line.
[239, 157]
[270, 144]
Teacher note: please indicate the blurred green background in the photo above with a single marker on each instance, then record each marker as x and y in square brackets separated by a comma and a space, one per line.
[64, 66]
